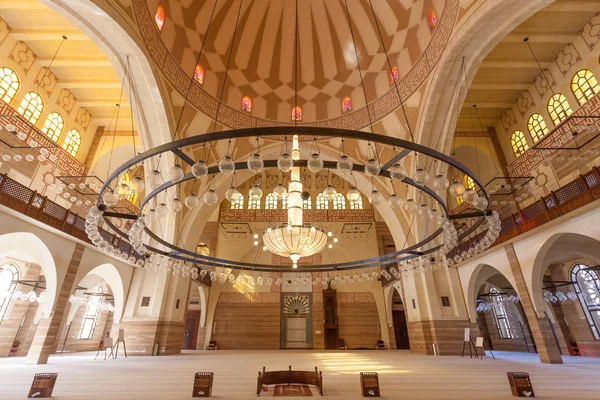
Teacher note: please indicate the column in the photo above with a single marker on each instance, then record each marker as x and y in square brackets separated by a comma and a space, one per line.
[47, 330]
[540, 327]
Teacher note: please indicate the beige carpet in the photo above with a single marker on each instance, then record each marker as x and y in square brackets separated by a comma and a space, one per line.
[402, 375]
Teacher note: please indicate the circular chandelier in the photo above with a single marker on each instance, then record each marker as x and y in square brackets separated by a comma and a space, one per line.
[294, 241]
[430, 180]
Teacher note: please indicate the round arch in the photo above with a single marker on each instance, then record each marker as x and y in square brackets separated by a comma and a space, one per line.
[555, 249]
[28, 247]
[112, 277]
[480, 275]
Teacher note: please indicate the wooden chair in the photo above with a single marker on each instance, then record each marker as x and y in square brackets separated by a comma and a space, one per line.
[212, 345]
[381, 345]
[342, 344]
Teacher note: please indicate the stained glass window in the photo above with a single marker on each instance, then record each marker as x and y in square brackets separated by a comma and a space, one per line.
[588, 291]
[584, 85]
[270, 202]
[53, 126]
[394, 75]
[307, 204]
[284, 202]
[356, 204]
[559, 108]
[339, 203]
[9, 274]
[253, 203]
[518, 143]
[72, 142]
[247, 104]
[500, 315]
[31, 107]
[432, 18]
[297, 113]
[199, 75]
[159, 17]
[346, 104]
[9, 84]
[322, 203]
[239, 203]
[537, 127]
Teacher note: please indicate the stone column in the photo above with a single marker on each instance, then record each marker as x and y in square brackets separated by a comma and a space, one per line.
[47, 330]
[540, 327]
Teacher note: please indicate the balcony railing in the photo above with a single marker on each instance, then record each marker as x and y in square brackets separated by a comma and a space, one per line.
[29, 202]
[575, 194]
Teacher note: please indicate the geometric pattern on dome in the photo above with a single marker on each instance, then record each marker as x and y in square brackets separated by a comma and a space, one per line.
[262, 62]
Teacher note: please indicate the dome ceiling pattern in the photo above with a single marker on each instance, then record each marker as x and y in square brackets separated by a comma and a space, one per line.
[262, 62]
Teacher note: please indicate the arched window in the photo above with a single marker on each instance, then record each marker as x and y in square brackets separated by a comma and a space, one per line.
[159, 17]
[500, 315]
[322, 203]
[247, 104]
[91, 316]
[346, 104]
[584, 85]
[199, 74]
[432, 18]
[518, 143]
[72, 142]
[469, 183]
[537, 127]
[339, 203]
[356, 204]
[559, 108]
[297, 113]
[394, 75]
[239, 203]
[253, 203]
[588, 291]
[125, 179]
[9, 84]
[284, 202]
[31, 107]
[9, 274]
[270, 202]
[307, 204]
[53, 126]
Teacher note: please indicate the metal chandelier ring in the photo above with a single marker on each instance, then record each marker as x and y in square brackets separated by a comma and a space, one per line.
[176, 146]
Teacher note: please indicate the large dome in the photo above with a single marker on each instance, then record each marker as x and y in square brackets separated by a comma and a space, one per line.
[262, 62]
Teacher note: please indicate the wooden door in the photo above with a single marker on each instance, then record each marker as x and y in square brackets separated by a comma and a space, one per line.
[296, 332]
[190, 332]
[400, 330]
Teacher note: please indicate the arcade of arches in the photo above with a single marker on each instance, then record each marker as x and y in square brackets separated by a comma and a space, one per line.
[87, 85]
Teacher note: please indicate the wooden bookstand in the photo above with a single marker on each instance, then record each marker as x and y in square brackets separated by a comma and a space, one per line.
[43, 385]
[203, 382]
[520, 385]
[369, 384]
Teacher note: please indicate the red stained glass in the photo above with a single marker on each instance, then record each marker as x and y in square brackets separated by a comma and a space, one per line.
[159, 18]
[346, 104]
[432, 18]
[199, 74]
[297, 113]
[247, 104]
[394, 75]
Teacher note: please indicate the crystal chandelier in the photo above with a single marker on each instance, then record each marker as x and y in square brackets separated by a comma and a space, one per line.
[294, 240]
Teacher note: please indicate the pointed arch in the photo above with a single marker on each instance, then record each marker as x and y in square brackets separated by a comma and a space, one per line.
[159, 17]
[199, 74]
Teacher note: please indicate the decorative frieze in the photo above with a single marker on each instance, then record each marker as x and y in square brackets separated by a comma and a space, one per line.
[230, 215]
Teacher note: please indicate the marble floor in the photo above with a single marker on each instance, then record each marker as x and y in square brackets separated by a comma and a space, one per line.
[402, 375]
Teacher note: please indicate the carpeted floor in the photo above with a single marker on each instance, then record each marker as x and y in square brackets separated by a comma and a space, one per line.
[402, 375]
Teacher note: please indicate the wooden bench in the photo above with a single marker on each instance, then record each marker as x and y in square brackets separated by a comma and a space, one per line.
[289, 377]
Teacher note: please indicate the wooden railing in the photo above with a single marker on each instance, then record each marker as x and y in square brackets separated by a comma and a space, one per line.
[29, 202]
[575, 194]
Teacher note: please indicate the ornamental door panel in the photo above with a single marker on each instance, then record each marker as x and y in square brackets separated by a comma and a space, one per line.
[296, 332]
